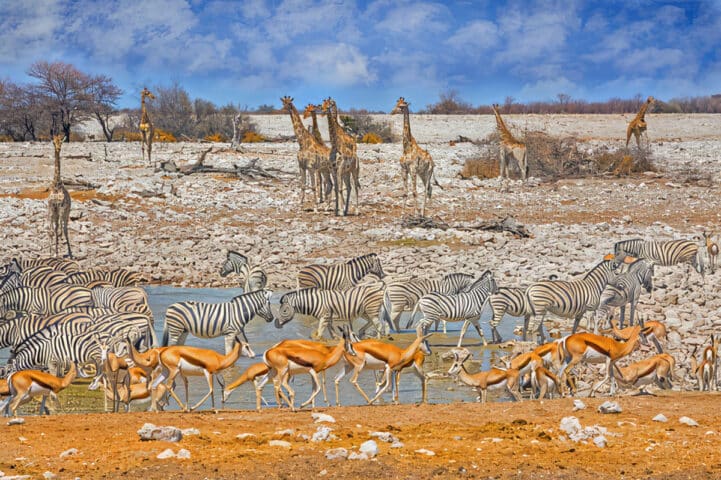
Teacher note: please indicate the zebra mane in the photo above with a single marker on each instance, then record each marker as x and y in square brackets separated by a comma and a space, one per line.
[597, 267]
[361, 258]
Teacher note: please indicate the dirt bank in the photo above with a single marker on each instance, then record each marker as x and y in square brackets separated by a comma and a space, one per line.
[499, 440]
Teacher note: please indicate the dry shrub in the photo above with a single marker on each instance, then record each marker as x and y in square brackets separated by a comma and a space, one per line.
[371, 138]
[480, 167]
[216, 137]
[77, 137]
[164, 137]
[6, 138]
[252, 137]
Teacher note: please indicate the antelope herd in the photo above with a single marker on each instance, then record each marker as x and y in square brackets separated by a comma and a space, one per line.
[97, 323]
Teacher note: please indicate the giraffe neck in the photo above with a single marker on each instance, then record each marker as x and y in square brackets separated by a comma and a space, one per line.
[144, 118]
[315, 125]
[506, 136]
[333, 125]
[642, 112]
[56, 178]
[407, 137]
[301, 134]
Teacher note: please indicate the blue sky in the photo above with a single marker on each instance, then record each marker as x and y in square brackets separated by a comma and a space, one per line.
[367, 54]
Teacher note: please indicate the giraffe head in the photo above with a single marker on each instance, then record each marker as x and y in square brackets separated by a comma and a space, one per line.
[58, 142]
[146, 93]
[650, 100]
[401, 106]
[311, 109]
[328, 103]
[495, 107]
[287, 102]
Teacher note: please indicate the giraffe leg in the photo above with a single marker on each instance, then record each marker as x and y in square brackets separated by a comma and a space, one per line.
[415, 197]
[65, 232]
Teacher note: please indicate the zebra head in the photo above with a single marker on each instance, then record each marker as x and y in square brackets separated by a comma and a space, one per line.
[256, 280]
[264, 309]
[286, 312]
[233, 262]
[459, 356]
[487, 282]
[375, 266]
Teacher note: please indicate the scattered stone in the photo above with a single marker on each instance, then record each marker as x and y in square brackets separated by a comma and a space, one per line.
[166, 434]
[397, 445]
[69, 452]
[424, 451]
[322, 434]
[243, 436]
[578, 405]
[660, 418]
[323, 473]
[190, 431]
[609, 407]
[287, 431]
[577, 433]
[183, 454]
[322, 417]
[384, 437]
[357, 456]
[336, 453]
[279, 443]
[600, 441]
[370, 448]
[167, 453]
[688, 421]
[49, 475]
[16, 421]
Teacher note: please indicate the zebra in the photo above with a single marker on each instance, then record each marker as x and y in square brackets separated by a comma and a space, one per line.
[14, 332]
[254, 277]
[118, 277]
[210, 320]
[664, 254]
[121, 299]
[465, 306]
[60, 264]
[42, 277]
[361, 301]
[44, 300]
[403, 295]
[569, 299]
[340, 276]
[511, 301]
[627, 288]
[10, 281]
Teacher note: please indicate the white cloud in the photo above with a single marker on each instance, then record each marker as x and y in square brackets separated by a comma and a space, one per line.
[28, 30]
[652, 59]
[336, 64]
[548, 88]
[416, 20]
[476, 37]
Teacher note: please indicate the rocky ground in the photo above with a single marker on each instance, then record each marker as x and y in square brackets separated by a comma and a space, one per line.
[460, 440]
[177, 228]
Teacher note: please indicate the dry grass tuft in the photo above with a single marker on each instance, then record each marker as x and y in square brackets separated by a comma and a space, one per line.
[252, 137]
[480, 167]
[371, 138]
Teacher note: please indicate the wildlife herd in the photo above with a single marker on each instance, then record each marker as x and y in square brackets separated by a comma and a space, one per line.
[60, 321]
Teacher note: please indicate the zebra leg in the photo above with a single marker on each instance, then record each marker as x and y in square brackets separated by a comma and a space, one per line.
[576, 321]
[496, 335]
[229, 341]
[623, 317]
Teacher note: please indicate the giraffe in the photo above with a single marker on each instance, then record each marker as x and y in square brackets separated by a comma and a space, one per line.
[312, 155]
[59, 202]
[147, 130]
[344, 157]
[310, 111]
[638, 124]
[510, 148]
[414, 161]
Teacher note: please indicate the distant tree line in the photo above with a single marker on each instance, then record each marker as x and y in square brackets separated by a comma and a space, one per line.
[59, 96]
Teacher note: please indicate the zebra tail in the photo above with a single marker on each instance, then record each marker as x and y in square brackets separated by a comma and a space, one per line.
[385, 310]
[153, 336]
[166, 335]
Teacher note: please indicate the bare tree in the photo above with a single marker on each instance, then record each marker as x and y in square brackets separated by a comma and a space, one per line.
[22, 115]
[103, 96]
[66, 90]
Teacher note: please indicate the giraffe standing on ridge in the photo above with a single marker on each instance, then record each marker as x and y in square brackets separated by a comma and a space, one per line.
[414, 162]
[147, 130]
[510, 148]
[637, 126]
[344, 158]
[312, 155]
[59, 202]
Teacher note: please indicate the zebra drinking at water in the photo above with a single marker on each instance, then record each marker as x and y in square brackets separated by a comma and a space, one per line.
[254, 278]
[570, 299]
[403, 295]
[326, 305]
[44, 300]
[465, 306]
[627, 288]
[210, 320]
[340, 276]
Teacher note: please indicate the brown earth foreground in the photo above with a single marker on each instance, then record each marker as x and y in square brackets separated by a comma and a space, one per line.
[496, 440]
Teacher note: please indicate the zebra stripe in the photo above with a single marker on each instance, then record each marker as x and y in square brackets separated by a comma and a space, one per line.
[340, 276]
[402, 296]
[325, 305]
[42, 277]
[44, 300]
[59, 264]
[627, 288]
[14, 332]
[254, 278]
[64, 341]
[511, 301]
[663, 254]
[569, 299]
[121, 299]
[118, 277]
[210, 320]
[465, 306]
